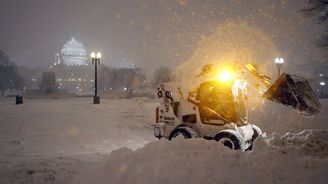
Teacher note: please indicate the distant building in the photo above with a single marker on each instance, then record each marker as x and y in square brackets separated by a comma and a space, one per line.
[72, 69]
[73, 53]
[48, 84]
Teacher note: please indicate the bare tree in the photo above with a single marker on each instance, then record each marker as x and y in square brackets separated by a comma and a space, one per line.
[318, 9]
[116, 78]
[162, 74]
[9, 78]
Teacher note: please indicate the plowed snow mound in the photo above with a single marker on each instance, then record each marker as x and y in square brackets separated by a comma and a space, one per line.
[310, 142]
[291, 158]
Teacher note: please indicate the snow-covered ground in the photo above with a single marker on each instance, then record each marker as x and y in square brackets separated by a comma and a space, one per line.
[201, 161]
[73, 141]
[49, 141]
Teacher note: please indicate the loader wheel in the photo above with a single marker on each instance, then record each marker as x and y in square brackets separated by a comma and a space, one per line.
[230, 139]
[257, 132]
[186, 132]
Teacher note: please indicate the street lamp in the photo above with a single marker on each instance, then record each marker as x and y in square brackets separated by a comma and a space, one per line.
[279, 62]
[96, 61]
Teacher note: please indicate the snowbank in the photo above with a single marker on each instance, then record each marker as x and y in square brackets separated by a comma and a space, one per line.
[308, 142]
[291, 158]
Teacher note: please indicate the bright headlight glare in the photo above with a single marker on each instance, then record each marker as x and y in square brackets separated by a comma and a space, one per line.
[226, 76]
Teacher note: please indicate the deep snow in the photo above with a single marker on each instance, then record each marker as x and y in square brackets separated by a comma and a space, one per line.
[71, 141]
[201, 161]
[50, 141]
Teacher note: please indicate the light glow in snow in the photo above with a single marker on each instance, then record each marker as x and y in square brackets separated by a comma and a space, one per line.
[226, 75]
[98, 55]
[279, 61]
[93, 55]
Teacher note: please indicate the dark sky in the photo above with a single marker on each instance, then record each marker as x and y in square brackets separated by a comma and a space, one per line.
[147, 33]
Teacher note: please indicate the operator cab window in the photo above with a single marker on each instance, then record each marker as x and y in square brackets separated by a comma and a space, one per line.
[216, 97]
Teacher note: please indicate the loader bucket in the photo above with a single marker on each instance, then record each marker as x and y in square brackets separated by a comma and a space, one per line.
[295, 92]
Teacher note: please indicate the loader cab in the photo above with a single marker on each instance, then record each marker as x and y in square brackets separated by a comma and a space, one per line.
[223, 101]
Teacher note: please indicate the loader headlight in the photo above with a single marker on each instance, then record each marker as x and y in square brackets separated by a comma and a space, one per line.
[226, 75]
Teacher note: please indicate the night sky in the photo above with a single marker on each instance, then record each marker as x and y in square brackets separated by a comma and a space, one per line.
[148, 33]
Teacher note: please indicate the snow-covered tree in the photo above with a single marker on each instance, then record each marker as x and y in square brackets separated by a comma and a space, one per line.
[120, 78]
[162, 74]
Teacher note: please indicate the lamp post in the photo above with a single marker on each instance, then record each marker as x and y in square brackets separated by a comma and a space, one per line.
[279, 62]
[96, 61]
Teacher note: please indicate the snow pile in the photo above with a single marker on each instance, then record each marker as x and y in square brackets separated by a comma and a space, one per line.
[41, 171]
[310, 142]
[280, 159]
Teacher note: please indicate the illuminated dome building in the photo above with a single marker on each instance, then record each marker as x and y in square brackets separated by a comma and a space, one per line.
[72, 70]
[73, 52]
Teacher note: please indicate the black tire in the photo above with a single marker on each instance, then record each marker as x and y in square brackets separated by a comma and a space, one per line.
[230, 139]
[187, 133]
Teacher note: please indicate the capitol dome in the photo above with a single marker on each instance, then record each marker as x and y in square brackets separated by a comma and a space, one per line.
[73, 53]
